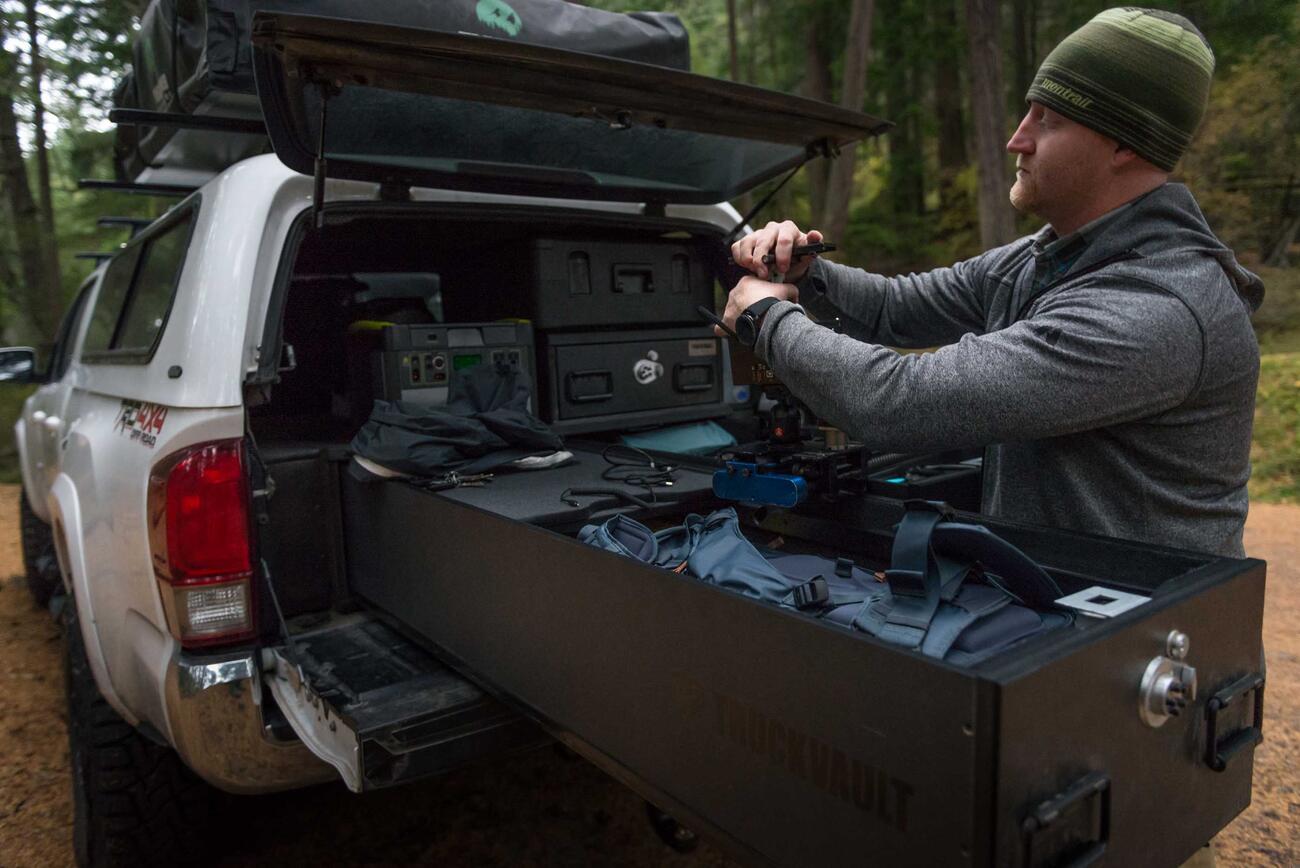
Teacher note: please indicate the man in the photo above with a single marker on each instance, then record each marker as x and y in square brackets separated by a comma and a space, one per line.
[1107, 362]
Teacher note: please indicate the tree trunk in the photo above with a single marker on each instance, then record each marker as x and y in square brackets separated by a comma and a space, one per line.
[751, 40]
[733, 50]
[988, 108]
[50, 247]
[899, 42]
[839, 192]
[1023, 16]
[817, 85]
[948, 101]
[37, 293]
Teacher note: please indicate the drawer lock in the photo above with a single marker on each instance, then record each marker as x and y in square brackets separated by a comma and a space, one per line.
[1168, 685]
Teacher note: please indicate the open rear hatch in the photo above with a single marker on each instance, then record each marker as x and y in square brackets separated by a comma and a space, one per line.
[419, 107]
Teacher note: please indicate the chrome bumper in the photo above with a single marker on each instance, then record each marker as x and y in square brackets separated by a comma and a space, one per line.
[214, 709]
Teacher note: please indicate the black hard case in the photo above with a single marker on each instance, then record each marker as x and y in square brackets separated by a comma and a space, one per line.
[586, 284]
[593, 382]
[801, 743]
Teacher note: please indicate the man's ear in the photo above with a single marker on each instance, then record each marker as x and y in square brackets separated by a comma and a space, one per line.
[1123, 157]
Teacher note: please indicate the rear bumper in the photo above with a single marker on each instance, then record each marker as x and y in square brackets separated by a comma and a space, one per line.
[214, 709]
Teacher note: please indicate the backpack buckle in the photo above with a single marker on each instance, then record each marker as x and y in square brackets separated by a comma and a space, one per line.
[812, 594]
[906, 583]
[939, 506]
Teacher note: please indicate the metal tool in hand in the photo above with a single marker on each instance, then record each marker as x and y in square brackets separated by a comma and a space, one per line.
[798, 253]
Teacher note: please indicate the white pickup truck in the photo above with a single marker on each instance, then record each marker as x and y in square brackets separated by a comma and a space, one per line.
[236, 611]
[208, 343]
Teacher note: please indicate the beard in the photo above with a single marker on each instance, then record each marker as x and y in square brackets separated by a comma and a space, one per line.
[1024, 194]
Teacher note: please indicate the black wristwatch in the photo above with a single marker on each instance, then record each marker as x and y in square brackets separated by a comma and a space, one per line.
[751, 320]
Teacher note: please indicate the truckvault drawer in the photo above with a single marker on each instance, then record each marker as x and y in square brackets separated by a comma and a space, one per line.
[601, 381]
[801, 743]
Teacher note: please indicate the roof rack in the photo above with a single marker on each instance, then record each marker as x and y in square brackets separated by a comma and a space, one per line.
[134, 223]
[130, 187]
[180, 120]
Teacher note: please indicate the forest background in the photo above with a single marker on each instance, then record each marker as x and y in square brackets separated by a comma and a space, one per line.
[950, 74]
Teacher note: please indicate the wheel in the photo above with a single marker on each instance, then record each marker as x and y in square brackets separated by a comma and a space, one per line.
[134, 801]
[39, 560]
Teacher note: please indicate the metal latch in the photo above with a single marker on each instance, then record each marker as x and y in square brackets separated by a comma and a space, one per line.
[1168, 684]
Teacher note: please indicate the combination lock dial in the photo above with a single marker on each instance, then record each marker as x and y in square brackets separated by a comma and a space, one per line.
[1168, 685]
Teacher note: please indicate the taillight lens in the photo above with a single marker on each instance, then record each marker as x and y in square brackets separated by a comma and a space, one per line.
[201, 539]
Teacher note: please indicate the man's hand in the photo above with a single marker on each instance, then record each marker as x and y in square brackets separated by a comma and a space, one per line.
[778, 239]
[747, 292]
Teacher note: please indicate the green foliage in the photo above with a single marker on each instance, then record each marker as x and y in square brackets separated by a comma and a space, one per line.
[1275, 453]
[11, 407]
[1245, 157]
[1277, 322]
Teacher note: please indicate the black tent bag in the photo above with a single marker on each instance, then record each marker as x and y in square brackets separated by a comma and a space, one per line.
[194, 56]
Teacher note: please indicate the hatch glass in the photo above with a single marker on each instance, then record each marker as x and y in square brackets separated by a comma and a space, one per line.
[468, 112]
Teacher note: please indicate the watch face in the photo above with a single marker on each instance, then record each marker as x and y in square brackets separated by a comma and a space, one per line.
[745, 329]
[747, 324]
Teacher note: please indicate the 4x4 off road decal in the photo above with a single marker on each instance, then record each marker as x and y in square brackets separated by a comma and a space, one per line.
[142, 421]
[499, 15]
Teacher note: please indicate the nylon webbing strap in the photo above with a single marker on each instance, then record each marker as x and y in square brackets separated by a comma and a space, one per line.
[913, 576]
[965, 609]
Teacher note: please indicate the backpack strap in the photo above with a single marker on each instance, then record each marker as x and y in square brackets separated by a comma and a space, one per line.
[913, 574]
[973, 604]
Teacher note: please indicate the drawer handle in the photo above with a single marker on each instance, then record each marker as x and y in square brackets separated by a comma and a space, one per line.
[1084, 808]
[1218, 753]
[576, 379]
[683, 376]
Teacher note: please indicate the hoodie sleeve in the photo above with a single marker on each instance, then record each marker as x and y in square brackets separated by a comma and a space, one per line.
[1097, 355]
[913, 310]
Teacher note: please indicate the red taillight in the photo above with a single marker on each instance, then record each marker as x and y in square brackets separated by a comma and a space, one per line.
[201, 541]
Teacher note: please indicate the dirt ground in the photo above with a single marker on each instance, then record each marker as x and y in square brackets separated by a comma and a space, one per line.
[538, 810]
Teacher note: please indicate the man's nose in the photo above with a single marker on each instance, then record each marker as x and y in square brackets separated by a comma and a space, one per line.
[1021, 141]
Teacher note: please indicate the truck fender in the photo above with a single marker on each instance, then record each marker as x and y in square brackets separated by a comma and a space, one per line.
[65, 515]
[38, 504]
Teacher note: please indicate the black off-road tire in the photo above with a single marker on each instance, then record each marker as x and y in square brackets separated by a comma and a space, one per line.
[134, 801]
[39, 559]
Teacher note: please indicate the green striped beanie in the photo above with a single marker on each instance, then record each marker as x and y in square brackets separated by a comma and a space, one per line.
[1139, 76]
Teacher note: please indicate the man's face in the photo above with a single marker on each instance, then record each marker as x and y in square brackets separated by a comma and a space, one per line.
[1060, 164]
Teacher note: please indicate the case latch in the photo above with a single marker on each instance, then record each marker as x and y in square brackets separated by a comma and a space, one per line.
[1071, 829]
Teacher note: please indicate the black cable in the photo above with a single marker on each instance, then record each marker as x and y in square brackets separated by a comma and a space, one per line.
[569, 494]
[635, 467]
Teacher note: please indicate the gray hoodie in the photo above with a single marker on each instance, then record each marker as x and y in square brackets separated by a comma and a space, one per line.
[1116, 400]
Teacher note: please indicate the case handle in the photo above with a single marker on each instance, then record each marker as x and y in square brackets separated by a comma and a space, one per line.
[1058, 826]
[1219, 753]
[576, 384]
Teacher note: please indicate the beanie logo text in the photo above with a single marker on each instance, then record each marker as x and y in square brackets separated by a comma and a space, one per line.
[1068, 94]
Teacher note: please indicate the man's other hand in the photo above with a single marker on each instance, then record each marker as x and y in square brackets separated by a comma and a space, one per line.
[777, 238]
[749, 291]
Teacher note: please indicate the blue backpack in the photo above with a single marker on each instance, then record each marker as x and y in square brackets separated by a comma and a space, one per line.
[953, 591]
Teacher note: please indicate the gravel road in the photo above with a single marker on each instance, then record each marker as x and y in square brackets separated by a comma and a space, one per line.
[538, 810]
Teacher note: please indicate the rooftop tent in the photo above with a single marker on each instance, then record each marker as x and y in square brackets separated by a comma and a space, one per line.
[194, 57]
